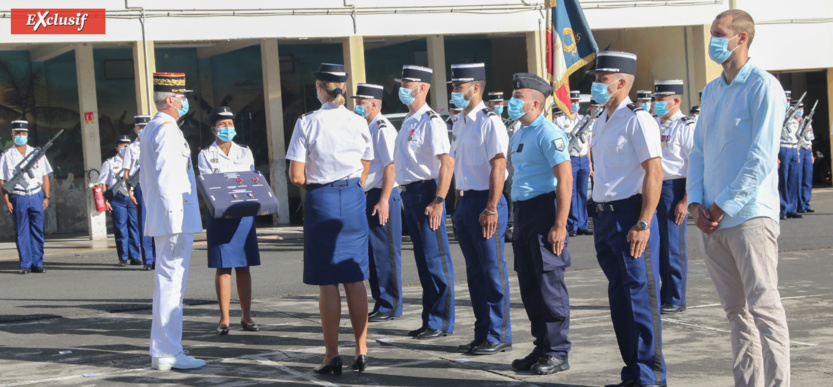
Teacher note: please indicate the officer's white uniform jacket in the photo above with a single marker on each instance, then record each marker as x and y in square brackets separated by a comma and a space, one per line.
[620, 145]
[477, 138]
[111, 171]
[331, 141]
[806, 141]
[422, 137]
[577, 148]
[167, 179]
[131, 156]
[213, 160]
[677, 137]
[384, 141]
[11, 158]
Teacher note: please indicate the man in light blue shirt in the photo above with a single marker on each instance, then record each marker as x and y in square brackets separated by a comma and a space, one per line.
[733, 196]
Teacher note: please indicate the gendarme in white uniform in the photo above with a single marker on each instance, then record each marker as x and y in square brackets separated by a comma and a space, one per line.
[131, 156]
[111, 169]
[11, 158]
[331, 141]
[413, 160]
[478, 137]
[384, 141]
[620, 145]
[677, 139]
[570, 127]
[213, 160]
[789, 137]
[167, 178]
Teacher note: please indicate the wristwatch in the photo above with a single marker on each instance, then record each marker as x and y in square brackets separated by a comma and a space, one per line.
[46, 197]
[643, 225]
[438, 199]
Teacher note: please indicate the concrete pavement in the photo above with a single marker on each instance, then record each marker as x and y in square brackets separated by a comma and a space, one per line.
[87, 322]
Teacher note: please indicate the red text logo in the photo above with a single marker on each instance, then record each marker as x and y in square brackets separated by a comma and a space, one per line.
[58, 21]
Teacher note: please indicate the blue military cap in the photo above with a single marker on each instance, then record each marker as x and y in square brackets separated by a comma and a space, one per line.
[20, 126]
[330, 72]
[220, 113]
[495, 96]
[531, 81]
[468, 72]
[788, 93]
[369, 91]
[695, 109]
[141, 120]
[616, 62]
[643, 94]
[801, 105]
[668, 87]
[416, 73]
[123, 138]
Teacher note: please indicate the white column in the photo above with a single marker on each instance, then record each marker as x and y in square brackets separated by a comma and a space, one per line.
[436, 61]
[90, 143]
[270, 61]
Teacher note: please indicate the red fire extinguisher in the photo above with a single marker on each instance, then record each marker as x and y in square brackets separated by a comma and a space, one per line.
[98, 194]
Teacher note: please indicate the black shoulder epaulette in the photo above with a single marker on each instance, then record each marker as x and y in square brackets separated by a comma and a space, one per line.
[687, 120]
[432, 114]
[382, 124]
[635, 108]
[243, 145]
[307, 113]
[488, 112]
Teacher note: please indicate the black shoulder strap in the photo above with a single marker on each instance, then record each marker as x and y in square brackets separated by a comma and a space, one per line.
[432, 114]
[687, 120]
[382, 124]
[243, 146]
[635, 108]
[488, 112]
[307, 113]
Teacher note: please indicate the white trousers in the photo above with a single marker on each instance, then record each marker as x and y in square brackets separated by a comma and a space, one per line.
[173, 254]
[743, 263]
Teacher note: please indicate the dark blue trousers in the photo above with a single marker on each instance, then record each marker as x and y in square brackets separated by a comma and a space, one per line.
[788, 179]
[385, 246]
[28, 226]
[146, 241]
[673, 259]
[541, 275]
[125, 227]
[485, 267]
[632, 290]
[806, 179]
[578, 205]
[432, 255]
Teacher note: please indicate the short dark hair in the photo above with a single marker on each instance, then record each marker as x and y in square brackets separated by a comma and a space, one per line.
[741, 22]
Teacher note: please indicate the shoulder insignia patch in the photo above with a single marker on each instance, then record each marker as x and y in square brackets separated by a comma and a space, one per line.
[635, 108]
[559, 144]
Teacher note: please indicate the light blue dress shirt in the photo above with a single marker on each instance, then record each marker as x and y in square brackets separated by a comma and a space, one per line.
[734, 162]
[535, 150]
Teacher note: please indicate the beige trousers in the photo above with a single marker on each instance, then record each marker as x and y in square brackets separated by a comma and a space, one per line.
[743, 263]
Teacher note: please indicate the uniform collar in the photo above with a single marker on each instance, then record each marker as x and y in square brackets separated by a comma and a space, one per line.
[376, 119]
[537, 122]
[231, 150]
[742, 76]
[472, 116]
[622, 109]
[329, 106]
[424, 108]
[165, 115]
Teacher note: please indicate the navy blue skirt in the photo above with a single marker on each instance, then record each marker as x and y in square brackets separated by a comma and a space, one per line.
[232, 242]
[335, 233]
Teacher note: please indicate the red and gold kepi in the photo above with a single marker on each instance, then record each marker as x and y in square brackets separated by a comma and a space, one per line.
[170, 83]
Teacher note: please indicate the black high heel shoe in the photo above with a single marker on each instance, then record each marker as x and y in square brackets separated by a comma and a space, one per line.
[222, 330]
[249, 327]
[360, 363]
[333, 366]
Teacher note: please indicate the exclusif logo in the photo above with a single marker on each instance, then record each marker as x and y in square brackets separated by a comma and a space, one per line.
[67, 21]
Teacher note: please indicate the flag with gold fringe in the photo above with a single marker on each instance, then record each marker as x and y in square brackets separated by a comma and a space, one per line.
[570, 46]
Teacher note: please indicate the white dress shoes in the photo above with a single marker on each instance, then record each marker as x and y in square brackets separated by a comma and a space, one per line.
[181, 361]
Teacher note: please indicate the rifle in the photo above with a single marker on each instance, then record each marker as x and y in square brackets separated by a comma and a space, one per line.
[785, 127]
[585, 126]
[117, 188]
[805, 123]
[133, 180]
[27, 165]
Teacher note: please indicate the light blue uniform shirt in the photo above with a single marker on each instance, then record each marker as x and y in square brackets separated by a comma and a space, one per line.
[734, 161]
[535, 150]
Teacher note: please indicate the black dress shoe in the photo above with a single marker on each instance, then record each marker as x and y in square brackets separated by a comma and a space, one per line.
[39, 270]
[526, 363]
[491, 348]
[222, 330]
[810, 210]
[333, 366]
[793, 215]
[146, 267]
[379, 317]
[801, 211]
[360, 363]
[466, 348]
[572, 234]
[431, 334]
[585, 232]
[249, 327]
[122, 263]
[24, 271]
[783, 216]
[416, 332]
[549, 365]
[135, 262]
[625, 383]
[669, 309]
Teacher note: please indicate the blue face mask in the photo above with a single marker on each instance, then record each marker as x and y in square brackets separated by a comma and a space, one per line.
[646, 106]
[661, 108]
[226, 134]
[184, 109]
[575, 107]
[405, 96]
[360, 110]
[719, 49]
[516, 108]
[139, 133]
[599, 92]
[799, 113]
[499, 109]
[459, 99]
[21, 140]
[121, 151]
